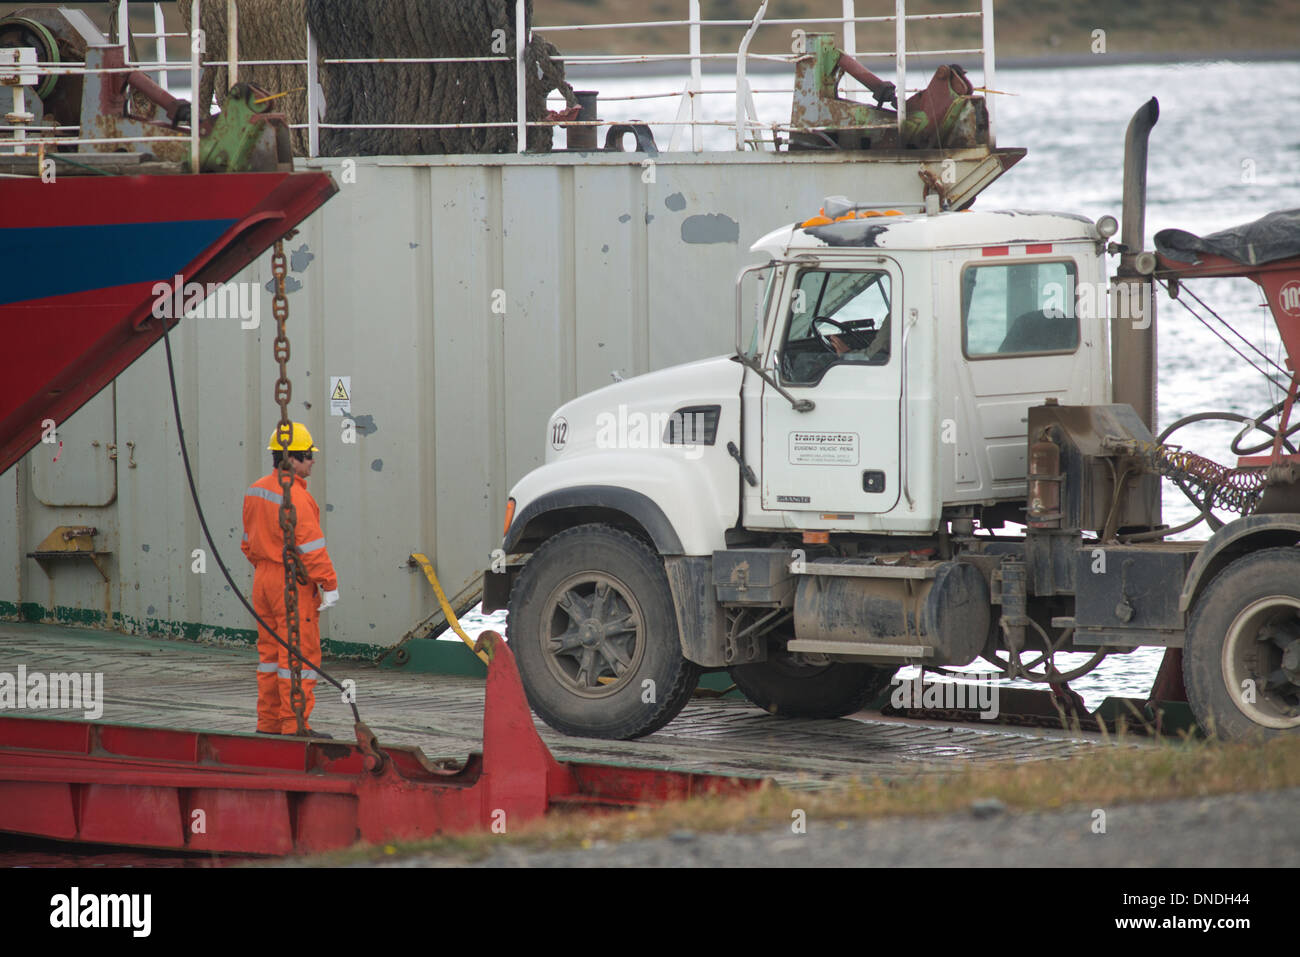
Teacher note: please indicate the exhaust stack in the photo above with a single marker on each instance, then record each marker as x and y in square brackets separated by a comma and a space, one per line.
[1133, 333]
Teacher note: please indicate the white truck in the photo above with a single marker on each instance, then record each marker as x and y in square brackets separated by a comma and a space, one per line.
[820, 507]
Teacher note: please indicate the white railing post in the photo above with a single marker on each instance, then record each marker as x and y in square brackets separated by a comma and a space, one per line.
[900, 57]
[986, 18]
[160, 44]
[850, 45]
[196, 61]
[232, 42]
[24, 61]
[124, 29]
[744, 98]
[697, 135]
[313, 96]
[521, 105]
[686, 109]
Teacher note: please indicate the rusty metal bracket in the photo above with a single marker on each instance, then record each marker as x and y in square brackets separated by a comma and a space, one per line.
[70, 542]
[373, 757]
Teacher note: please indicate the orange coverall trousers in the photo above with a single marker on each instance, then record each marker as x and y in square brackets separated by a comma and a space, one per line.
[274, 701]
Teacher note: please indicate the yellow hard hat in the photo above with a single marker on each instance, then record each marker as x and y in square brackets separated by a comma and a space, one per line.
[300, 440]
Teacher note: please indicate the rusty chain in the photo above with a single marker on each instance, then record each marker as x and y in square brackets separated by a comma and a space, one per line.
[293, 571]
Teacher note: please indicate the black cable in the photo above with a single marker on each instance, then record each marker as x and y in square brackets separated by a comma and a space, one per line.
[203, 522]
[1201, 319]
[1260, 352]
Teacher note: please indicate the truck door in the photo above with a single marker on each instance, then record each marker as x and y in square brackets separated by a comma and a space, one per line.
[839, 348]
[1021, 344]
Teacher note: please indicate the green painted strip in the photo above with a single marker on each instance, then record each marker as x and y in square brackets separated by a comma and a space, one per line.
[720, 682]
[195, 631]
[430, 656]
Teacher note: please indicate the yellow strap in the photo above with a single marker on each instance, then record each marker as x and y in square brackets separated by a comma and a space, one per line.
[276, 96]
[446, 606]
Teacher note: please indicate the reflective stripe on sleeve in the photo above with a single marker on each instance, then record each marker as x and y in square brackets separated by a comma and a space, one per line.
[306, 547]
[258, 492]
[267, 666]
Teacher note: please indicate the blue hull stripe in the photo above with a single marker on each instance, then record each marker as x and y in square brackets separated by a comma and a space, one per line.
[59, 260]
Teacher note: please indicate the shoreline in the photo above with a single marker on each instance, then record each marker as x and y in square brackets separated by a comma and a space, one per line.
[928, 63]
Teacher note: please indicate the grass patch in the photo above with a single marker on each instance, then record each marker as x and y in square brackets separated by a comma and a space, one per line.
[1109, 775]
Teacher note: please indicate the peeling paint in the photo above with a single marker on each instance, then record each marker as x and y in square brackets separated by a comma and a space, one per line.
[676, 202]
[290, 285]
[377, 465]
[625, 218]
[649, 218]
[605, 248]
[851, 233]
[365, 424]
[300, 257]
[710, 228]
[144, 548]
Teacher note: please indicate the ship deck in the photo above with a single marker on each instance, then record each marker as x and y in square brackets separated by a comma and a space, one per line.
[182, 684]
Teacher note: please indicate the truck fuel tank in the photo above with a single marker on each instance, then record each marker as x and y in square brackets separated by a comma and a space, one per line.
[933, 613]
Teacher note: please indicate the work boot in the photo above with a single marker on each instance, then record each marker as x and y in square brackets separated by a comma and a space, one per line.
[313, 733]
[260, 731]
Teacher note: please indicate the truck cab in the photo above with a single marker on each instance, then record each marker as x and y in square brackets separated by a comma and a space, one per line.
[920, 341]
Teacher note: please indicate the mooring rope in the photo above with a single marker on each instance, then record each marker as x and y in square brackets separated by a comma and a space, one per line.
[391, 93]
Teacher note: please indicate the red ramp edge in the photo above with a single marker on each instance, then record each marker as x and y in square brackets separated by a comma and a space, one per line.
[186, 790]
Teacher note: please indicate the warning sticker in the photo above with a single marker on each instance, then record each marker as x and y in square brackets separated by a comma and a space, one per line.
[340, 394]
[823, 448]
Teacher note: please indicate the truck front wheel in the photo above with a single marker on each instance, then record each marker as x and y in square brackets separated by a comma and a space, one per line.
[593, 628]
[808, 686]
[1241, 663]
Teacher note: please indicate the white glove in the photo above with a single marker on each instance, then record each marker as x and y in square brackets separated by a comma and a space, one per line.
[331, 599]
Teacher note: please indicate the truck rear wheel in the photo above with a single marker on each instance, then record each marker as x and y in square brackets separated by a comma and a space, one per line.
[593, 628]
[809, 686]
[1241, 663]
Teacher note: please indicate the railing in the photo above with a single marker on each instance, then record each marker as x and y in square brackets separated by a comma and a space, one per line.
[750, 130]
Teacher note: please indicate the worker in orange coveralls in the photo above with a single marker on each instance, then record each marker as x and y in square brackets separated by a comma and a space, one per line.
[263, 545]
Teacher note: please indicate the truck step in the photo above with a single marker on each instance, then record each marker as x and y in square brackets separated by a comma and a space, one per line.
[865, 570]
[875, 649]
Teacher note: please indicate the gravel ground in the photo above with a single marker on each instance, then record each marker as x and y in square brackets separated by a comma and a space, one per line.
[1237, 830]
